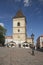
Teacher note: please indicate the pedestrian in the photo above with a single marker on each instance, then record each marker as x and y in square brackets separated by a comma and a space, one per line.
[33, 51]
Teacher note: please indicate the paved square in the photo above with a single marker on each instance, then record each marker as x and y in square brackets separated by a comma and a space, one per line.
[20, 56]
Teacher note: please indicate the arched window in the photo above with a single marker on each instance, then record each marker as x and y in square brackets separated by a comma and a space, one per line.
[18, 24]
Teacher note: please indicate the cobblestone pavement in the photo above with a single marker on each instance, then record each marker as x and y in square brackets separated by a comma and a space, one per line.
[20, 56]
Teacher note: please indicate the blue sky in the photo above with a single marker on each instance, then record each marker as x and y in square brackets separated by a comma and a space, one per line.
[32, 9]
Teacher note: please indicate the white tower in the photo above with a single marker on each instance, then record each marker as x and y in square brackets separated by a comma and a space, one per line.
[19, 28]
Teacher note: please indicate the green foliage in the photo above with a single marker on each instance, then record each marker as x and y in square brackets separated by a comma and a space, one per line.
[2, 30]
[2, 40]
[2, 35]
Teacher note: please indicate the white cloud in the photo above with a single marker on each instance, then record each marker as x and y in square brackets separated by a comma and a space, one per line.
[2, 24]
[27, 2]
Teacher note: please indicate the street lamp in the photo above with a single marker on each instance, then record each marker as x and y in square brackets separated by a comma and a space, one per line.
[32, 36]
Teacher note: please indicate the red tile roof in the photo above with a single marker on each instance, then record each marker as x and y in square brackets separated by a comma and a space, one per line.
[8, 37]
[41, 36]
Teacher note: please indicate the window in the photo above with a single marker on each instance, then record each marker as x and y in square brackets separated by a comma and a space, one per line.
[26, 45]
[18, 30]
[18, 24]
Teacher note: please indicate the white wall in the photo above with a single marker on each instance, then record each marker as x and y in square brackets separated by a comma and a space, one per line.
[8, 40]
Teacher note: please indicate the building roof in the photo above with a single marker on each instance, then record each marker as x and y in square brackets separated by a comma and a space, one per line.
[19, 14]
[41, 36]
[8, 37]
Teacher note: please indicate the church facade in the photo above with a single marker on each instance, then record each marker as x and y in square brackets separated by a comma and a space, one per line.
[19, 35]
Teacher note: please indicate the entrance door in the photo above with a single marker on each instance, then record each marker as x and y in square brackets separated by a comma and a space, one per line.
[19, 45]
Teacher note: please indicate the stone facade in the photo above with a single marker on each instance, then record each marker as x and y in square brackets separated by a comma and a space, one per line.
[29, 40]
[8, 39]
[19, 35]
[19, 28]
[19, 32]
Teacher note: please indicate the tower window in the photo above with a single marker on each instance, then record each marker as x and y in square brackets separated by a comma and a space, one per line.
[18, 24]
[18, 30]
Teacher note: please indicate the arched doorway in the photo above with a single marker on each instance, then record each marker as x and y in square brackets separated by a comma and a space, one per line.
[19, 45]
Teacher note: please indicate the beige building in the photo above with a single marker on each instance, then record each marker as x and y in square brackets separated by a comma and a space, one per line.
[39, 42]
[8, 39]
[19, 35]
[29, 40]
[19, 28]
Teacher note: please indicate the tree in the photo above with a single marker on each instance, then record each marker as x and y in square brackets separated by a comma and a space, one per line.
[2, 35]
[2, 30]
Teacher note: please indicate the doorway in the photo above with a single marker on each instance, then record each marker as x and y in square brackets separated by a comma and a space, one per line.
[19, 45]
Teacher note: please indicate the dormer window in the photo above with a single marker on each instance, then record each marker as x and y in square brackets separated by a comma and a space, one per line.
[18, 24]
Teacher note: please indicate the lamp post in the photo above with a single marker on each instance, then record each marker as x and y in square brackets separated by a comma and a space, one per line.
[32, 36]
